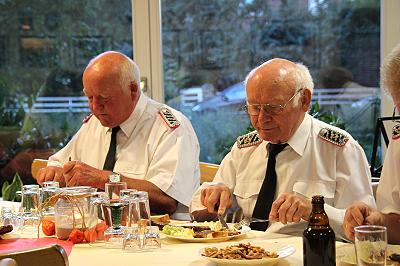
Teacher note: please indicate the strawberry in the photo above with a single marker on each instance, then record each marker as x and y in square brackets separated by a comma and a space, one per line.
[76, 236]
[48, 227]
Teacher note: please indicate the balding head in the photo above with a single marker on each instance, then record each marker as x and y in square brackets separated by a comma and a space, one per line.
[282, 90]
[111, 83]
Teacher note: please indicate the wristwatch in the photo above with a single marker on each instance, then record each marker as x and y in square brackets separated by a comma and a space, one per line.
[114, 177]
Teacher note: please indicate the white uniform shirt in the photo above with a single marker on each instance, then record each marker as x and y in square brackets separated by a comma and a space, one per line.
[147, 148]
[309, 166]
[388, 192]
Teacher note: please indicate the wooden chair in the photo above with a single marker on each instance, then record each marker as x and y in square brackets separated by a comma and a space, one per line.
[53, 255]
[37, 164]
[207, 171]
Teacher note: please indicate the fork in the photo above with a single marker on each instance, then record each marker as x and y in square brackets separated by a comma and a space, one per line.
[246, 221]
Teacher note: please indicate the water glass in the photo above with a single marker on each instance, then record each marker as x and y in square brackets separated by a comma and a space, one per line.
[132, 239]
[371, 244]
[116, 216]
[143, 208]
[113, 189]
[7, 216]
[49, 189]
[30, 200]
[151, 237]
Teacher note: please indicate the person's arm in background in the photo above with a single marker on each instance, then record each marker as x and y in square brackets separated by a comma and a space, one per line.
[206, 201]
[353, 183]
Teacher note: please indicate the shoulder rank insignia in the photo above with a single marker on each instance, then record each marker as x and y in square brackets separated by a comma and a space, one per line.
[169, 118]
[396, 131]
[333, 136]
[249, 139]
[87, 119]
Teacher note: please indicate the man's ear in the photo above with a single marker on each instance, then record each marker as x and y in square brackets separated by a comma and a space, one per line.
[134, 88]
[305, 99]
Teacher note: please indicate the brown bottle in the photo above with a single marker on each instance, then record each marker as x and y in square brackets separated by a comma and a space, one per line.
[318, 238]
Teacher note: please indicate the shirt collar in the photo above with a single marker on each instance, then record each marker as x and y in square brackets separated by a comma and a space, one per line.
[299, 139]
[129, 125]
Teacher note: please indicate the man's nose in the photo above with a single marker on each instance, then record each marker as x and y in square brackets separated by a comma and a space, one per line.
[264, 116]
[96, 105]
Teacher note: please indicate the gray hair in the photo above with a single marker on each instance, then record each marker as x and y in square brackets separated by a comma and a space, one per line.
[390, 74]
[129, 71]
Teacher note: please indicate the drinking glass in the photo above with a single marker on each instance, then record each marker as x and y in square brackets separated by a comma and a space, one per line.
[116, 214]
[49, 189]
[132, 239]
[151, 237]
[113, 189]
[143, 208]
[371, 244]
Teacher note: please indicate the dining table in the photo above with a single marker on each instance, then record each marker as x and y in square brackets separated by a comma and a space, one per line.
[174, 251]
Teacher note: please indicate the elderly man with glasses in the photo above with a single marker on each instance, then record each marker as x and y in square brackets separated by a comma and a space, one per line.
[273, 172]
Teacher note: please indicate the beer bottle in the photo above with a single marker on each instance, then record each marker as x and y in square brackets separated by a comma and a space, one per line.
[318, 238]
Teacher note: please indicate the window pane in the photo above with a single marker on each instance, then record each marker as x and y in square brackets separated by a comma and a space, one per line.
[44, 47]
[209, 47]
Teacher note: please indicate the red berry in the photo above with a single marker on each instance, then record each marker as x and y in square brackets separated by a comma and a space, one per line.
[90, 235]
[76, 236]
[48, 227]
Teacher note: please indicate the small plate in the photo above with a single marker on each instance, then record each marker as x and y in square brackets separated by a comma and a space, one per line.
[243, 231]
[346, 255]
[282, 250]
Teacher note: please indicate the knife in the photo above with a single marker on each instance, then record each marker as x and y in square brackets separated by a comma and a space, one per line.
[222, 221]
[221, 217]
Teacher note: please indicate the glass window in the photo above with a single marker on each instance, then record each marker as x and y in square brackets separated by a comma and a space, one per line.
[210, 46]
[44, 47]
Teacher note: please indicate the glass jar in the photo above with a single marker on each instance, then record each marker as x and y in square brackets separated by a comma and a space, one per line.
[73, 210]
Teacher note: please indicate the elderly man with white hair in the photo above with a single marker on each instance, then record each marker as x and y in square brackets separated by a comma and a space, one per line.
[150, 145]
[388, 192]
[273, 172]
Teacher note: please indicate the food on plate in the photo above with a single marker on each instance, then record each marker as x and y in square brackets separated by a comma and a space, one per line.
[200, 230]
[48, 227]
[240, 251]
[4, 229]
[160, 218]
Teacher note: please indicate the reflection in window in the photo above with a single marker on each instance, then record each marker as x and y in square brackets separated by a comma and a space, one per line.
[38, 52]
[87, 47]
[212, 45]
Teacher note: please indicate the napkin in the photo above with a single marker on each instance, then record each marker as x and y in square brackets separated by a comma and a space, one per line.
[17, 244]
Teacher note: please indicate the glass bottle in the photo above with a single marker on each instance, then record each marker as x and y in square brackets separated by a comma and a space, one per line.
[318, 238]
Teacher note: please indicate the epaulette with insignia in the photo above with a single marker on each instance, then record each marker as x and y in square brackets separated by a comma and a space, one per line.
[249, 139]
[333, 136]
[396, 131]
[169, 118]
[87, 118]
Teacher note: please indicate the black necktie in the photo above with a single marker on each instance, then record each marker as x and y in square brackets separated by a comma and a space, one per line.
[110, 159]
[267, 191]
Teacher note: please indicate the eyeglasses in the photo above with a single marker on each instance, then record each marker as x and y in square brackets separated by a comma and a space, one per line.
[254, 109]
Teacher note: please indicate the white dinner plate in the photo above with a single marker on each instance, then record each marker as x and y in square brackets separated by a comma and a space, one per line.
[282, 250]
[346, 255]
[243, 231]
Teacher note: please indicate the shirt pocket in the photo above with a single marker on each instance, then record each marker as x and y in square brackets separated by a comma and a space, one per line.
[132, 170]
[246, 194]
[313, 187]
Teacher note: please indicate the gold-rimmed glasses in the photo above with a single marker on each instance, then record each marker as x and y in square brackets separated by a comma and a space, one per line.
[254, 109]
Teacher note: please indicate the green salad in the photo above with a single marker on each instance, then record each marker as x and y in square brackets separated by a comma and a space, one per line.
[178, 231]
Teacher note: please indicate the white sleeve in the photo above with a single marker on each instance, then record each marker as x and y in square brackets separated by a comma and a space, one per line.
[388, 192]
[174, 167]
[353, 183]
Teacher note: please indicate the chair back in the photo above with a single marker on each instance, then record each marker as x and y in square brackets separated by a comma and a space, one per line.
[37, 164]
[207, 171]
[53, 255]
